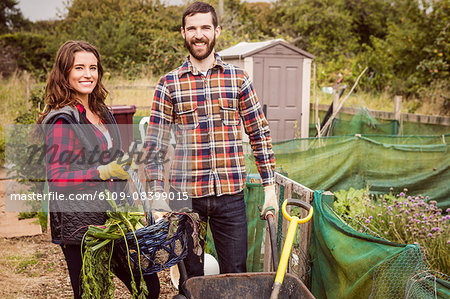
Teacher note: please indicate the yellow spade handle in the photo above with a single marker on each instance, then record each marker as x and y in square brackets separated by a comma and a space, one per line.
[294, 221]
[286, 250]
[290, 218]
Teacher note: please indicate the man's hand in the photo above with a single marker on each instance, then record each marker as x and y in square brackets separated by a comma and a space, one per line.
[116, 168]
[270, 200]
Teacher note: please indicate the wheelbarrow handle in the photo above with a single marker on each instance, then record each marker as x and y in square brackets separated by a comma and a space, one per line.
[270, 218]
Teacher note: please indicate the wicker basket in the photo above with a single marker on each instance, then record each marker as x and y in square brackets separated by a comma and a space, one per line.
[157, 250]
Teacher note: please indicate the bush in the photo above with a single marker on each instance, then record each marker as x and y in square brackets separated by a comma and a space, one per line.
[37, 101]
[33, 54]
[402, 219]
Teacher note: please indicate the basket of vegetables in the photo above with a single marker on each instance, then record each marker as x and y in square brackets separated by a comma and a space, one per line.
[156, 247]
[125, 241]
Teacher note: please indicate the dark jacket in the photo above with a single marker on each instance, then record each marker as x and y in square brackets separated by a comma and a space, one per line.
[69, 219]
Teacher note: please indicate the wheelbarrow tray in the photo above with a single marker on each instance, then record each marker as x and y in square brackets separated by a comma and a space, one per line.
[245, 285]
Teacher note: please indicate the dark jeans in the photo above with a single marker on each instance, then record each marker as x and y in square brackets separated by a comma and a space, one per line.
[72, 253]
[228, 220]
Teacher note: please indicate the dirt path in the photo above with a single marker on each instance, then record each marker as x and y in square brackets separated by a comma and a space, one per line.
[10, 225]
[33, 267]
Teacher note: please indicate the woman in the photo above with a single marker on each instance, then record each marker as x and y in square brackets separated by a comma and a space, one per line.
[83, 156]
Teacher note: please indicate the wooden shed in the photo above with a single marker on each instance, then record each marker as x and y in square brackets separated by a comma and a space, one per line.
[281, 74]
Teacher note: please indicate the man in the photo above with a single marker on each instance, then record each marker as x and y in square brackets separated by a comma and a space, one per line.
[208, 101]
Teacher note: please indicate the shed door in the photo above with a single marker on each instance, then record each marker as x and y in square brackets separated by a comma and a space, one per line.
[281, 92]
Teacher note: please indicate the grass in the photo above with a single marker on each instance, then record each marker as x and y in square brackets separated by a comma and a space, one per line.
[13, 96]
[14, 93]
[23, 263]
[13, 100]
[124, 92]
[382, 102]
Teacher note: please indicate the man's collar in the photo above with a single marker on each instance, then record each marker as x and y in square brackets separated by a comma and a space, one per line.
[189, 67]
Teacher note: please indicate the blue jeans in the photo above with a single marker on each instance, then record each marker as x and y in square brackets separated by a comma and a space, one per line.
[228, 220]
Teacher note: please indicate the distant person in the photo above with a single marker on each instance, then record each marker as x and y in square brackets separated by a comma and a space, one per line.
[208, 102]
[78, 124]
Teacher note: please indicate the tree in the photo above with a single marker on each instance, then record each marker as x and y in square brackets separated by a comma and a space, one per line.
[30, 51]
[369, 18]
[131, 35]
[415, 52]
[257, 18]
[322, 27]
[11, 18]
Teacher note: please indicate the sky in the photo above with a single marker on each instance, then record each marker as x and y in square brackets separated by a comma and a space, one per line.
[38, 10]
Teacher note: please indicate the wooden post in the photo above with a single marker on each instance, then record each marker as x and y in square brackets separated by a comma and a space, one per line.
[221, 9]
[329, 121]
[335, 101]
[111, 96]
[398, 113]
[316, 98]
[26, 76]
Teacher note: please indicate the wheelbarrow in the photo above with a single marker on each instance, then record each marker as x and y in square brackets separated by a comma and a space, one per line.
[253, 285]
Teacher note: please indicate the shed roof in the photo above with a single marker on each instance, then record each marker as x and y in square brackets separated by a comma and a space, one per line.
[244, 49]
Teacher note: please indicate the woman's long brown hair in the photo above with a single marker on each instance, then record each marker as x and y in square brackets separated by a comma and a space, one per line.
[59, 93]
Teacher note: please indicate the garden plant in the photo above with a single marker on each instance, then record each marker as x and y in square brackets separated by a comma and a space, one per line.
[401, 219]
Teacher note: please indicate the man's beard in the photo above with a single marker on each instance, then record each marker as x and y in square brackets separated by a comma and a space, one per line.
[209, 47]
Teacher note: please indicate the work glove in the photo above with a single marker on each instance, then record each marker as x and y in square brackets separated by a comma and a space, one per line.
[270, 201]
[116, 168]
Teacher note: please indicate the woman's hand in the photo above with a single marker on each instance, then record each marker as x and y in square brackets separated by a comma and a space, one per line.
[116, 168]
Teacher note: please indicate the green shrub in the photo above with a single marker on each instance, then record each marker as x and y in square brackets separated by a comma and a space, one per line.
[34, 55]
[37, 96]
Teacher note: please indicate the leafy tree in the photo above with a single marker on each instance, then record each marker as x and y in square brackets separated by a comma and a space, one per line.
[322, 27]
[404, 42]
[158, 29]
[11, 18]
[132, 36]
[257, 18]
[415, 52]
[369, 18]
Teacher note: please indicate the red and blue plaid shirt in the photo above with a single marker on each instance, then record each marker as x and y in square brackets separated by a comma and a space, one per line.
[207, 113]
[59, 175]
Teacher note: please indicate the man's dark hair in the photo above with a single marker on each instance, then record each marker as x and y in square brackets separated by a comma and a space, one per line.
[200, 7]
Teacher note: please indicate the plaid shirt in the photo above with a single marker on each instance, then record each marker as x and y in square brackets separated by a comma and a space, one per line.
[207, 113]
[58, 174]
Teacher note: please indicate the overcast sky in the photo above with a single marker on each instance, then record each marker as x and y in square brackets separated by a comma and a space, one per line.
[37, 10]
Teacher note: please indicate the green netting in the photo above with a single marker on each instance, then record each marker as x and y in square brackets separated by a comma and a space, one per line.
[298, 264]
[419, 163]
[347, 263]
[364, 123]
[254, 194]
